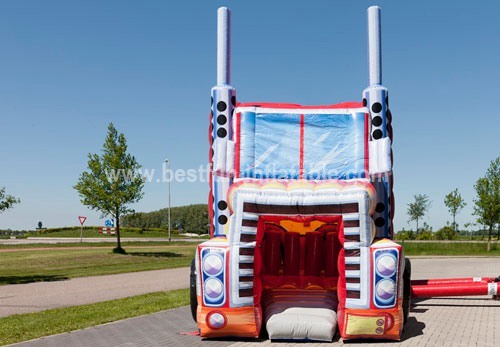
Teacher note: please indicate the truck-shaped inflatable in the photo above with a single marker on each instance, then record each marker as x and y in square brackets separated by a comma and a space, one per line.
[301, 210]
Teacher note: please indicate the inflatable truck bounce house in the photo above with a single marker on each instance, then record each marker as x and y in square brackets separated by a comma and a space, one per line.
[301, 206]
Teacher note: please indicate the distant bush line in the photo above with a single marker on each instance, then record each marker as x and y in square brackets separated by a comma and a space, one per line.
[96, 229]
[184, 219]
[190, 219]
[445, 233]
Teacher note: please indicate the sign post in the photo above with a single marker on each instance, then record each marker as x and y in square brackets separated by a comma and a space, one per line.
[82, 220]
[40, 225]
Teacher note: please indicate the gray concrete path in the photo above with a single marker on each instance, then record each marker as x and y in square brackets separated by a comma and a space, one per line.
[32, 297]
[469, 321]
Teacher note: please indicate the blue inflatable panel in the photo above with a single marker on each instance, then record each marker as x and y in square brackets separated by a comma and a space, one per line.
[334, 146]
[315, 146]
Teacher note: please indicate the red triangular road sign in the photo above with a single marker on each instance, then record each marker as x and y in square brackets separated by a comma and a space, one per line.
[82, 219]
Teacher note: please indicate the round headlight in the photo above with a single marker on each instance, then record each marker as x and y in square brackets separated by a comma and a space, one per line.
[216, 320]
[213, 288]
[212, 264]
[386, 289]
[386, 265]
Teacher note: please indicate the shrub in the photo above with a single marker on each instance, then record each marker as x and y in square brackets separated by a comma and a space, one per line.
[405, 235]
[445, 233]
[425, 235]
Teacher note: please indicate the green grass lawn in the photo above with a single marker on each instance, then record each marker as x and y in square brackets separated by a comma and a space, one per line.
[29, 326]
[98, 244]
[456, 248]
[93, 232]
[32, 265]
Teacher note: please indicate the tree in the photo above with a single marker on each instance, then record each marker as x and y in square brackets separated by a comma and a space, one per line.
[418, 208]
[7, 201]
[487, 203]
[455, 204]
[112, 181]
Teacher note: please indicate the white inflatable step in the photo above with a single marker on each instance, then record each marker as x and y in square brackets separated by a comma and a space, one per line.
[301, 323]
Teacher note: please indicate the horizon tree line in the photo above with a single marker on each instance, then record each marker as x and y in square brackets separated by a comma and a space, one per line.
[486, 203]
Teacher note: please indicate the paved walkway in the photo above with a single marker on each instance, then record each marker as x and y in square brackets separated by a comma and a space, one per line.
[32, 297]
[470, 321]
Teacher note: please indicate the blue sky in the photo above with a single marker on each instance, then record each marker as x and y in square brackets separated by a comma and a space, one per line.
[68, 68]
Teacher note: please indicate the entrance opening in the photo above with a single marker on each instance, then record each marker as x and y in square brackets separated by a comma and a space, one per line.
[296, 275]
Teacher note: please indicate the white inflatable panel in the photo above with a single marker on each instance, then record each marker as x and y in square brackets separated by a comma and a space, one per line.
[380, 155]
[303, 323]
[300, 315]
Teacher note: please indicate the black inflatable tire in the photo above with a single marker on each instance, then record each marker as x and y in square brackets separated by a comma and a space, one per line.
[406, 290]
[192, 290]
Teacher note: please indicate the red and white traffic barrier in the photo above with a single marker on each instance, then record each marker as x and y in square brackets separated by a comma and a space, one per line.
[107, 231]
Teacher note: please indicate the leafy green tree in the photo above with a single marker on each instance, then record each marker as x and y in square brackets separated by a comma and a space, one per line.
[7, 201]
[455, 204]
[112, 181]
[417, 209]
[487, 203]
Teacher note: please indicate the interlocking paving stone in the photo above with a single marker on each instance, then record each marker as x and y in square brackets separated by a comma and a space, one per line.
[440, 322]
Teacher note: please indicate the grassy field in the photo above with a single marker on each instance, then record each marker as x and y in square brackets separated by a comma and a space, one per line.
[94, 232]
[454, 249]
[29, 326]
[60, 263]
[98, 244]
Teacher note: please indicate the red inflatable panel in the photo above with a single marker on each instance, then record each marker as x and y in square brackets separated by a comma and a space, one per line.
[332, 249]
[292, 254]
[272, 252]
[314, 254]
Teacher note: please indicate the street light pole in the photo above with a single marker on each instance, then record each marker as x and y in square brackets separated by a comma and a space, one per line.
[169, 200]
